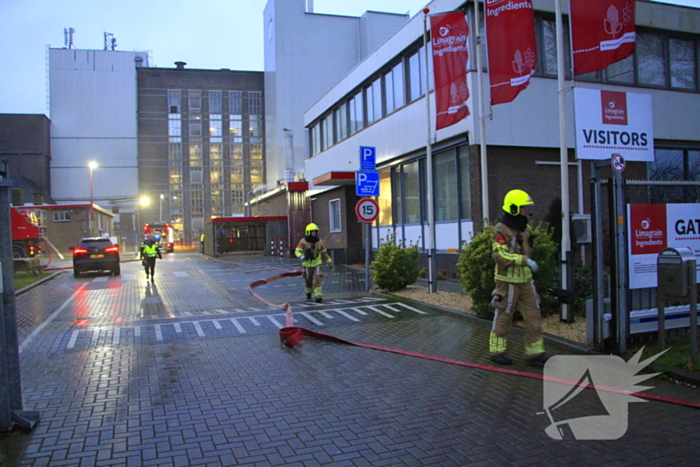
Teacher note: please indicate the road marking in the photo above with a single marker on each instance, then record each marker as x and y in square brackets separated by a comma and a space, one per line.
[159, 333]
[216, 324]
[73, 338]
[326, 314]
[254, 321]
[31, 336]
[307, 315]
[357, 310]
[198, 328]
[116, 336]
[235, 322]
[414, 309]
[348, 316]
[377, 310]
[178, 328]
[274, 321]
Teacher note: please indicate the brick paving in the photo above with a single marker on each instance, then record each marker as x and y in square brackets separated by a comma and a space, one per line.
[191, 372]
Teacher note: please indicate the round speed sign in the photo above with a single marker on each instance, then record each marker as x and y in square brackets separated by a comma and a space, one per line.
[367, 210]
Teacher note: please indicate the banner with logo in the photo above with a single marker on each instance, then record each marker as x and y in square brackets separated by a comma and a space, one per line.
[654, 227]
[512, 50]
[602, 33]
[613, 122]
[449, 33]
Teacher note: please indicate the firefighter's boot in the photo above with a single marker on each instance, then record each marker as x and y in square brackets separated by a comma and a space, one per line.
[538, 360]
[501, 359]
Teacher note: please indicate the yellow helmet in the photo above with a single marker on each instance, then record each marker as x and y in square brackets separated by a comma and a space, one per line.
[311, 227]
[514, 200]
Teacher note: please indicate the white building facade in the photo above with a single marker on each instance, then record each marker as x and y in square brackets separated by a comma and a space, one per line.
[381, 103]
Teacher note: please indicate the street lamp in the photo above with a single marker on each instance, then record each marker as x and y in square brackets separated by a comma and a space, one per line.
[160, 216]
[92, 165]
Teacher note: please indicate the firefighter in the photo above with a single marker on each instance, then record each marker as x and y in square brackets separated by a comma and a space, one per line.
[149, 252]
[312, 252]
[515, 288]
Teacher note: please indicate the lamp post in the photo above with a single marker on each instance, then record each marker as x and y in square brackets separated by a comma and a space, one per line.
[92, 165]
[160, 215]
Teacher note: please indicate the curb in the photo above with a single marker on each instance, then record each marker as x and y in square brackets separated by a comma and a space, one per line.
[36, 284]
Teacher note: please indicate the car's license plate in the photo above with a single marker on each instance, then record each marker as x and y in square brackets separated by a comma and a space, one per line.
[97, 256]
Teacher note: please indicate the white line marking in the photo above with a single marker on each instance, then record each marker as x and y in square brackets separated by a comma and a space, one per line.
[254, 321]
[237, 324]
[73, 338]
[116, 336]
[274, 321]
[413, 309]
[181, 274]
[178, 328]
[216, 323]
[352, 318]
[357, 310]
[31, 336]
[307, 315]
[377, 310]
[137, 331]
[198, 328]
[159, 333]
[392, 308]
[326, 314]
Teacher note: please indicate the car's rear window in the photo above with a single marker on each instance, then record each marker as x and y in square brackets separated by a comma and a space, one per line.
[96, 242]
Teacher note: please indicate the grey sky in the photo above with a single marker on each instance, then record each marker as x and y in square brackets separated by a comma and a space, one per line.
[206, 34]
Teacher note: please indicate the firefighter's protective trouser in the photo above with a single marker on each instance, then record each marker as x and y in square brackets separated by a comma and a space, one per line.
[313, 280]
[507, 298]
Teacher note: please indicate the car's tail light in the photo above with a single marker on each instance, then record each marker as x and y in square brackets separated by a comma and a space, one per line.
[79, 251]
[112, 249]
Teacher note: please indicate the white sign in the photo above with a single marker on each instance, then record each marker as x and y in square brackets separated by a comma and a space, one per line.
[613, 122]
[367, 210]
[653, 228]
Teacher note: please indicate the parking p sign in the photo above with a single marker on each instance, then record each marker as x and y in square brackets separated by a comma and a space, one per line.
[366, 183]
[368, 158]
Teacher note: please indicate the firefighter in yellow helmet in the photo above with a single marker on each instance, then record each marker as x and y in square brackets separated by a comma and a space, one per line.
[515, 289]
[312, 252]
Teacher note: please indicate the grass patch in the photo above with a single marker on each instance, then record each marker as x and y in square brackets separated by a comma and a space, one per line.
[677, 355]
[23, 279]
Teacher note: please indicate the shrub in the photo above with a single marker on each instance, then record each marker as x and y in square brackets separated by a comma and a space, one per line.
[395, 266]
[476, 268]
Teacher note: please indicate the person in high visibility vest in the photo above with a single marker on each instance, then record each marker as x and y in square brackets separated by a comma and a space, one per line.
[313, 253]
[149, 252]
[201, 243]
[515, 288]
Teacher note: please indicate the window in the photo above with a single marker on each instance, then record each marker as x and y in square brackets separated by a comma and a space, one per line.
[549, 49]
[341, 122]
[327, 132]
[394, 88]
[174, 101]
[236, 128]
[237, 151]
[334, 215]
[215, 102]
[674, 164]
[175, 151]
[445, 186]
[195, 129]
[174, 128]
[235, 102]
[373, 95]
[465, 183]
[195, 100]
[215, 152]
[61, 216]
[357, 121]
[651, 60]
[196, 153]
[416, 76]
[682, 58]
[316, 138]
[196, 196]
[254, 126]
[622, 71]
[255, 103]
[384, 199]
[175, 177]
[256, 151]
[412, 192]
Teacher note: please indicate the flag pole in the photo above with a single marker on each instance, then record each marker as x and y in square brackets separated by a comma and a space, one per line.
[432, 281]
[482, 121]
[564, 161]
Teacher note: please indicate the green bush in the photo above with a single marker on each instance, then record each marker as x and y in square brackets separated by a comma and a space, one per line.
[476, 269]
[395, 266]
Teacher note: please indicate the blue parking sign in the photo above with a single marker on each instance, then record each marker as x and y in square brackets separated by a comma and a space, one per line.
[368, 158]
[366, 183]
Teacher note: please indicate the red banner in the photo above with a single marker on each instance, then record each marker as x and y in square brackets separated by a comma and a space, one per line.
[449, 33]
[602, 31]
[512, 50]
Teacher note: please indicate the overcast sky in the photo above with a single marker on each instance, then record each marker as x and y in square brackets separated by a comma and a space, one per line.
[205, 34]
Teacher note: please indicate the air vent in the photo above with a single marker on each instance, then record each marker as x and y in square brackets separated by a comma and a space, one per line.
[581, 226]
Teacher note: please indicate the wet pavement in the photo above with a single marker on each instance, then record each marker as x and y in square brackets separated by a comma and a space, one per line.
[190, 371]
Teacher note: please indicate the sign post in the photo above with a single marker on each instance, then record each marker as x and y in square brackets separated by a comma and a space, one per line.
[367, 210]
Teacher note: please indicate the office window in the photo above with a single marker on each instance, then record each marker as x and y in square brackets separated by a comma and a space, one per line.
[174, 101]
[174, 128]
[196, 152]
[215, 151]
[195, 100]
[334, 215]
[412, 192]
[236, 128]
[316, 138]
[341, 122]
[256, 151]
[682, 58]
[373, 99]
[215, 127]
[621, 72]
[237, 151]
[235, 102]
[651, 59]
[61, 216]
[176, 201]
[255, 103]
[237, 172]
[196, 198]
[215, 173]
[357, 120]
[384, 199]
[256, 174]
[327, 132]
[445, 186]
[175, 151]
[175, 177]
[217, 200]
[237, 199]
[215, 102]
[465, 183]
[254, 126]
[416, 74]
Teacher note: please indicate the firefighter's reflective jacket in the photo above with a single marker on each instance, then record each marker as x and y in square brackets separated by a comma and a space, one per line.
[314, 253]
[510, 249]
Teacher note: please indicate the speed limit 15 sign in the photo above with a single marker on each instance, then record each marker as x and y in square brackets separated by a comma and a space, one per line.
[367, 210]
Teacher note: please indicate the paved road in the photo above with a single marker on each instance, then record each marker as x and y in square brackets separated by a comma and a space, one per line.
[190, 371]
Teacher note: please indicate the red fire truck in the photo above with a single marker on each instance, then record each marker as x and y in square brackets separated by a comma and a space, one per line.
[163, 234]
[26, 233]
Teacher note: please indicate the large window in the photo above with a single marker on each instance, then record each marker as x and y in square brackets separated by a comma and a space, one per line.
[651, 60]
[174, 101]
[357, 121]
[215, 102]
[374, 101]
[445, 186]
[674, 164]
[235, 102]
[341, 122]
[384, 199]
[255, 103]
[465, 188]
[682, 58]
[412, 191]
[195, 101]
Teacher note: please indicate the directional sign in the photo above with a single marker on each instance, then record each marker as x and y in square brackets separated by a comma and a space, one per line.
[366, 183]
[367, 210]
[368, 158]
